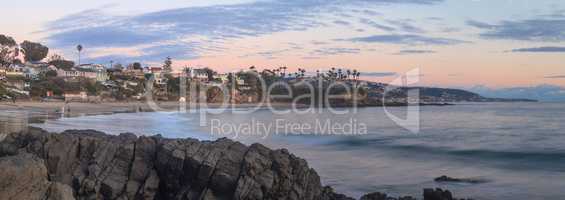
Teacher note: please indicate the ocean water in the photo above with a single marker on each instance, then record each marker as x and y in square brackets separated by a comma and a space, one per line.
[517, 149]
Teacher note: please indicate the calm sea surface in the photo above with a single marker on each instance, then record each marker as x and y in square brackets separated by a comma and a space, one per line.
[518, 149]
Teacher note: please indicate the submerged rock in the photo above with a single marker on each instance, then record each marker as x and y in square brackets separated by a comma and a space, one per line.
[381, 196]
[459, 180]
[92, 165]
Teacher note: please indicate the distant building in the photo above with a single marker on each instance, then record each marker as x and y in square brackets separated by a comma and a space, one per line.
[158, 75]
[198, 74]
[31, 73]
[17, 74]
[16, 68]
[224, 78]
[82, 73]
[93, 67]
[137, 73]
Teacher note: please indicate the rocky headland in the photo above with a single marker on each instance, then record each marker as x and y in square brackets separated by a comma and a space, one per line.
[86, 164]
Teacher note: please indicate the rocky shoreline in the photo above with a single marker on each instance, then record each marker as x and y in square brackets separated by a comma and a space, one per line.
[86, 164]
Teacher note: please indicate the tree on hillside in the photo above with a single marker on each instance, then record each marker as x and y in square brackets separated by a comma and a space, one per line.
[60, 62]
[8, 50]
[79, 49]
[118, 66]
[7, 41]
[136, 66]
[168, 66]
[210, 73]
[34, 51]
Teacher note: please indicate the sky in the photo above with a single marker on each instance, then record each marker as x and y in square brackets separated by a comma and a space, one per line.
[454, 43]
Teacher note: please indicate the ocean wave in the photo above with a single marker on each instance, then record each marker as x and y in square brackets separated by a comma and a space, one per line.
[517, 160]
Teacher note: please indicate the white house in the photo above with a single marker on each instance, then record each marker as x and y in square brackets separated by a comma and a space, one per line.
[92, 67]
[78, 73]
[199, 74]
[31, 73]
[158, 75]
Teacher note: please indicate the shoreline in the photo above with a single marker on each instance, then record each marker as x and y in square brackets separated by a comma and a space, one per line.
[79, 108]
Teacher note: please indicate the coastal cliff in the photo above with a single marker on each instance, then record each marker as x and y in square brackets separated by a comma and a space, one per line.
[92, 165]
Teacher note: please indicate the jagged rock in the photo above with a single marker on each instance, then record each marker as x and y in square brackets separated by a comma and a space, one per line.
[24, 176]
[438, 194]
[329, 194]
[92, 165]
[99, 166]
[58, 191]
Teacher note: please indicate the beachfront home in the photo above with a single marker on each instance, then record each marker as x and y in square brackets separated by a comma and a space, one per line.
[15, 74]
[92, 67]
[224, 78]
[93, 71]
[158, 75]
[80, 73]
[137, 73]
[16, 68]
[198, 74]
[31, 73]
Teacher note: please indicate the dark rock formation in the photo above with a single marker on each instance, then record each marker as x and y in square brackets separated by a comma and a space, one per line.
[459, 180]
[439, 194]
[91, 165]
[25, 177]
[99, 166]
[381, 196]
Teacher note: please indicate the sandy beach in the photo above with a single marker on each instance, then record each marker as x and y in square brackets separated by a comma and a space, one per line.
[78, 109]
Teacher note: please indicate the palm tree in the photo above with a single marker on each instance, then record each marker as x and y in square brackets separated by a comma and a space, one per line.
[348, 73]
[79, 48]
[340, 74]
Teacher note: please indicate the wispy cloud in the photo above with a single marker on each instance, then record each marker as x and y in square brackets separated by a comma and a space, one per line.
[376, 25]
[413, 51]
[378, 74]
[406, 26]
[335, 51]
[406, 39]
[341, 22]
[542, 30]
[95, 28]
[541, 50]
[555, 76]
